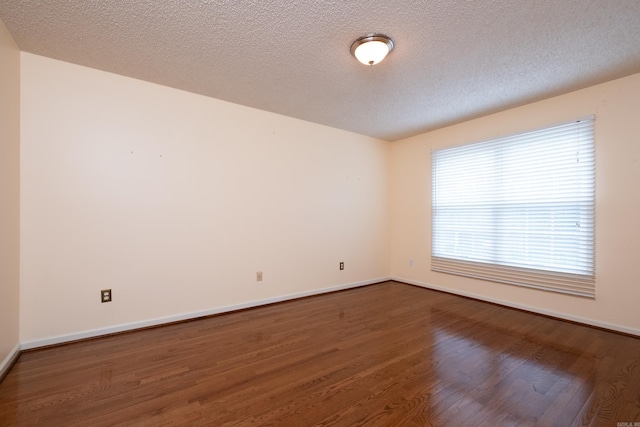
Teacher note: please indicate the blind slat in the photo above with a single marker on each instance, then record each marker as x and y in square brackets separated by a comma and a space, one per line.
[519, 209]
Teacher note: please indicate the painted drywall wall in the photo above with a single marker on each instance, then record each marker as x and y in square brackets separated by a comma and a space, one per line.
[616, 105]
[175, 201]
[9, 193]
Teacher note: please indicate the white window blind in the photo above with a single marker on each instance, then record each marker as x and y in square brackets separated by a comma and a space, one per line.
[519, 209]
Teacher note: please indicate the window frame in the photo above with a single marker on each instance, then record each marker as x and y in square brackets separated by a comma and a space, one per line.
[579, 281]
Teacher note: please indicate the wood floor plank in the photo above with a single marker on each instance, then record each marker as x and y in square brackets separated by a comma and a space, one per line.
[382, 355]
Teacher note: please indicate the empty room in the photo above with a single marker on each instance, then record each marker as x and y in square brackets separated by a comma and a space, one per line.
[298, 213]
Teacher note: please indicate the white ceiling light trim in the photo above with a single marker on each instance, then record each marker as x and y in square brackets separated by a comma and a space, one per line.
[371, 49]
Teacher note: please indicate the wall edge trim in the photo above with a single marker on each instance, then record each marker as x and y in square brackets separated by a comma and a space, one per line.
[583, 320]
[9, 361]
[126, 327]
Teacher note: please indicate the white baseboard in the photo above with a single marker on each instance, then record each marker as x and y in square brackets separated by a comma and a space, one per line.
[60, 339]
[559, 315]
[8, 361]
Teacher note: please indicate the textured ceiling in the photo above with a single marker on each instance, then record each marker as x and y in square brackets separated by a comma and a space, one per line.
[453, 60]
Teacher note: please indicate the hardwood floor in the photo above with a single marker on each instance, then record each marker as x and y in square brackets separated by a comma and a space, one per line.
[383, 355]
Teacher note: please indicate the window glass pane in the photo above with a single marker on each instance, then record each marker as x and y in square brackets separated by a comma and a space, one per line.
[524, 201]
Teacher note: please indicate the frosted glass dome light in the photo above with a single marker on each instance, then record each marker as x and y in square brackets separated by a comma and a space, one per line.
[372, 49]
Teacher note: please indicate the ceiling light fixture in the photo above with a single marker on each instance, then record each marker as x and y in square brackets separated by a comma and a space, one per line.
[371, 49]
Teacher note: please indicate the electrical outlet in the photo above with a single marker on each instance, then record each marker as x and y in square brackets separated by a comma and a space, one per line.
[105, 295]
[410, 263]
[259, 276]
[342, 266]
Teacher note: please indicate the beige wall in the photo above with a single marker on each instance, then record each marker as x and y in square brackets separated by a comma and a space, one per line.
[617, 131]
[9, 192]
[175, 201]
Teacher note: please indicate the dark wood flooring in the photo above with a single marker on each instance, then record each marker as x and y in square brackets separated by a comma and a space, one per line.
[384, 355]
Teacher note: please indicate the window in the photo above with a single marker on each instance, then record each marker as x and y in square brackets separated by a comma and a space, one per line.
[519, 209]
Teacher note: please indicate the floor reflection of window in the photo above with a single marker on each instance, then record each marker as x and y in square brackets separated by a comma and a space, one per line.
[493, 375]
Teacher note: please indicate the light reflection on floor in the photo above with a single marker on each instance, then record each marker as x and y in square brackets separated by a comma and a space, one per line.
[506, 380]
